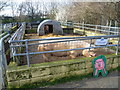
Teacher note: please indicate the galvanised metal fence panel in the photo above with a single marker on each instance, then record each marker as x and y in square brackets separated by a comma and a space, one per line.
[105, 29]
[57, 40]
[18, 35]
[3, 61]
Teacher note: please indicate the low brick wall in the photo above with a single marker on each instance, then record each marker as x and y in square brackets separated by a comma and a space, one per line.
[54, 70]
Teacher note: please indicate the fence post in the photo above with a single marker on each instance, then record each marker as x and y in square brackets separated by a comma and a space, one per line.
[83, 27]
[2, 84]
[72, 25]
[109, 28]
[67, 24]
[96, 28]
[0, 26]
[118, 43]
[3, 62]
[12, 52]
[24, 28]
[90, 45]
[28, 59]
[115, 28]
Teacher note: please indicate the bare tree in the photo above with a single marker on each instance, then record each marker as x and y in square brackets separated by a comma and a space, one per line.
[3, 4]
[90, 12]
[14, 7]
[53, 10]
[32, 9]
[63, 11]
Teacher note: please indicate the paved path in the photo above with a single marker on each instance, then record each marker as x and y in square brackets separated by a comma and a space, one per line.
[111, 81]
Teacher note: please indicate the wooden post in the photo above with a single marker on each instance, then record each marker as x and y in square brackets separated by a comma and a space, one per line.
[109, 28]
[79, 25]
[83, 27]
[96, 28]
[115, 28]
[107, 23]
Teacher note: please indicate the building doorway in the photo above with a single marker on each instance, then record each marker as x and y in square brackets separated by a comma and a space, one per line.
[48, 28]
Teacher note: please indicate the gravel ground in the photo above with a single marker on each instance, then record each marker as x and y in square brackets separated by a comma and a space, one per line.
[111, 81]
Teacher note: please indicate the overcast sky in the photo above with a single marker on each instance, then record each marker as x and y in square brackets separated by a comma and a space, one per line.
[8, 12]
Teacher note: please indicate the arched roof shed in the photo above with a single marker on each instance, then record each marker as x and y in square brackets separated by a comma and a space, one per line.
[50, 25]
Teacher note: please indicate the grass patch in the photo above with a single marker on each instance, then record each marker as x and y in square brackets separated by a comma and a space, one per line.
[30, 31]
[89, 33]
[3, 34]
[114, 40]
[13, 65]
[114, 48]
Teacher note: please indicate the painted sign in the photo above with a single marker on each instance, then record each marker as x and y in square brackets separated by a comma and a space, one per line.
[99, 66]
[101, 41]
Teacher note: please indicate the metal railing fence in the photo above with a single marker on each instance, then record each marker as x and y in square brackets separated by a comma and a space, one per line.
[6, 27]
[4, 52]
[17, 42]
[101, 28]
[18, 35]
[27, 44]
[3, 61]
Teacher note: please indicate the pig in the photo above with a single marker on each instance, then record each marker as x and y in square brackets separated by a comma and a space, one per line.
[88, 53]
[64, 45]
[42, 48]
[52, 47]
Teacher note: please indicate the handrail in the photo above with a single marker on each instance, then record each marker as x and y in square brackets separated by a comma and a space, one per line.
[94, 25]
[18, 33]
[88, 37]
[60, 39]
[3, 62]
[102, 28]
[22, 54]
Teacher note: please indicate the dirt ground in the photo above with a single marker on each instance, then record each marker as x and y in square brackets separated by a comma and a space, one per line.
[39, 59]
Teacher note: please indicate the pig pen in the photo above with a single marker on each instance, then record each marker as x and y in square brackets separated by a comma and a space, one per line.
[40, 58]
